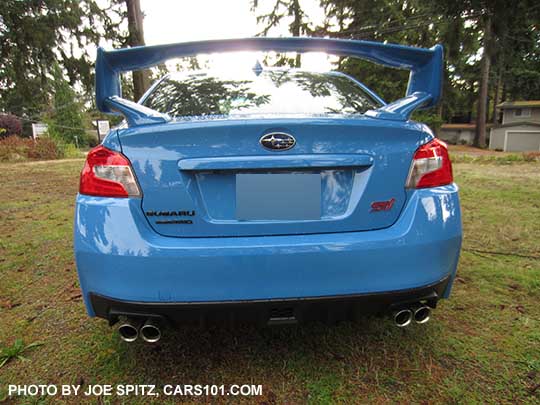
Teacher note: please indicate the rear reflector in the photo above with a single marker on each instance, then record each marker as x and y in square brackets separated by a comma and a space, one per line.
[431, 166]
[107, 173]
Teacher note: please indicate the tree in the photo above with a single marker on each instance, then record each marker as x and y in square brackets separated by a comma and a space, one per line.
[498, 29]
[489, 52]
[65, 121]
[410, 22]
[136, 38]
[397, 21]
[37, 35]
[298, 26]
[481, 114]
[517, 60]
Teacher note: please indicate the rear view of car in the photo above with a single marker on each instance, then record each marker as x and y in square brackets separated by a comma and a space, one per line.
[268, 195]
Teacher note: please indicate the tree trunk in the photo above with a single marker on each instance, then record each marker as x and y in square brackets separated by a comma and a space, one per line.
[480, 138]
[141, 78]
[296, 28]
[494, 117]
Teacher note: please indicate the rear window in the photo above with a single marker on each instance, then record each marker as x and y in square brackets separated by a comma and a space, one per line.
[272, 92]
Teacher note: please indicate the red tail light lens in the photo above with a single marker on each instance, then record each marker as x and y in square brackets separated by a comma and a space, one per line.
[107, 173]
[431, 166]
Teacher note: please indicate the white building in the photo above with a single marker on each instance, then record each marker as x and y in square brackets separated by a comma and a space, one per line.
[520, 128]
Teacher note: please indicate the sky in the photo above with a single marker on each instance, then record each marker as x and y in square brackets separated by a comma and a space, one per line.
[169, 21]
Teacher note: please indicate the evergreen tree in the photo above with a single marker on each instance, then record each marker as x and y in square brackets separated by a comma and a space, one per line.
[490, 53]
[135, 37]
[409, 23]
[65, 121]
[298, 26]
[35, 35]
[501, 33]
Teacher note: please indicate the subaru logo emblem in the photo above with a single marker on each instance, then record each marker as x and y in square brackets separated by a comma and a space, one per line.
[277, 141]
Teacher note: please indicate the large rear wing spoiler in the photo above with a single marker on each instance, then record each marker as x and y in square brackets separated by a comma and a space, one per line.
[425, 65]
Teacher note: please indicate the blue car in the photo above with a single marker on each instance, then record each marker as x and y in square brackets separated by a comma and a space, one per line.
[267, 195]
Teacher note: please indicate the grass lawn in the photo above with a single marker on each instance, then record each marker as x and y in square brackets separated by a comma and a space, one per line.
[481, 346]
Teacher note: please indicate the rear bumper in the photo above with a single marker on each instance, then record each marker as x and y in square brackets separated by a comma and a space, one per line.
[274, 311]
[120, 257]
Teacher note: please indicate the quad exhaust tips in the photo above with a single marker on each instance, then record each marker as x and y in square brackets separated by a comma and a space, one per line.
[130, 329]
[419, 314]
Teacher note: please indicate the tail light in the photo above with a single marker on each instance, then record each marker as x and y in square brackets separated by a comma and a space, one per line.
[431, 166]
[107, 173]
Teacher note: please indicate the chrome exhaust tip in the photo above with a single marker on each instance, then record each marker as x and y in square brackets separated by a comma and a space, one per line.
[403, 317]
[128, 330]
[151, 331]
[422, 314]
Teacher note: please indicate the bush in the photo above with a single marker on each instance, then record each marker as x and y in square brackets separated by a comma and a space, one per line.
[14, 148]
[430, 118]
[9, 125]
[66, 121]
[90, 140]
[70, 151]
[531, 156]
[45, 148]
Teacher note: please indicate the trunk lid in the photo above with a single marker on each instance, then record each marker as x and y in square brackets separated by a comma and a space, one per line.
[214, 178]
